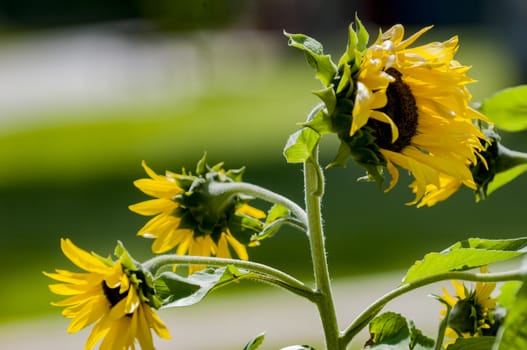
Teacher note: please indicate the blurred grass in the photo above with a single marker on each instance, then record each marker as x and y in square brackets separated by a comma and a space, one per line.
[75, 179]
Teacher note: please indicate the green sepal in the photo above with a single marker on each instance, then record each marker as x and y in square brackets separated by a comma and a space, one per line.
[513, 334]
[235, 175]
[346, 83]
[175, 290]
[139, 277]
[277, 216]
[126, 259]
[341, 159]
[314, 52]
[362, 149]
[201, 165]
[362, 35]
[255, 343]
[301, 145]
[465, 255]
[328, 96]
[321, 122]
[508, 108]
[391, 331]
[185, 182]
[479, 343]
[350, 61]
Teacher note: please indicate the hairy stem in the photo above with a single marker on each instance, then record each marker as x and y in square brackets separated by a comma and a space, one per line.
[325, 304]
[262, 193]
[266, 273]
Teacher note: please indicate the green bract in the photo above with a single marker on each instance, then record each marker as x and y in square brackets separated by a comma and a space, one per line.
[335, 115]
[206, 210]
[140, 277]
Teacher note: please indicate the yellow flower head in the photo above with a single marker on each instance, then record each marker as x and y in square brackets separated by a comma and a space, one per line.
[416, 103]
[471, 311]
[187, 217]
[107, 295]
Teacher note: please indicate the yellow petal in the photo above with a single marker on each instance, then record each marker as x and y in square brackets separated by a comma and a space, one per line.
[239, 248]
[154, 207]
[81, 258]
[250, 211]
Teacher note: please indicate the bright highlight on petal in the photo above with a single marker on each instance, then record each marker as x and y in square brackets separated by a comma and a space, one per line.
[103, 295]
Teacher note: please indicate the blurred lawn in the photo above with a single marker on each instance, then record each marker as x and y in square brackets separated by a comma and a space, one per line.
[74, 180]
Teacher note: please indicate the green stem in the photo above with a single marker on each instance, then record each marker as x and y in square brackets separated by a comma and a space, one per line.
[326, 307]
[258, 192]
[442, 329]
[267, 273]
[367, 315]
[509, 158]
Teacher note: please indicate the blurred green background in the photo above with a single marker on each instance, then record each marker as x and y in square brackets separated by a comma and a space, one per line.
[88, 92]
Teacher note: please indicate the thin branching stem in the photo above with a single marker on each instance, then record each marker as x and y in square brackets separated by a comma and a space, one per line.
[265, 273]
[368, 314]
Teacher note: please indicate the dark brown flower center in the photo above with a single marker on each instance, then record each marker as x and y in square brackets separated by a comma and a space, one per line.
[402, 109]
[112, 294]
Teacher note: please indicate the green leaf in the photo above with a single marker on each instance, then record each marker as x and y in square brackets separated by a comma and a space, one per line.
[508, 293]
[504, 177]
[479, 252]
[255, 343]
[508, 108]
[389, 328]
[514, 244]
[298, 347]
[301, 145]
[418, 340]
[479, 343]
[324, 66]
[458, 260]
[513, 334]
[176, 290]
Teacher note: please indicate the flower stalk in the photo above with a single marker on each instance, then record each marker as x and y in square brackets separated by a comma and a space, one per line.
[216, 188]
[314, 189]
[271, 275]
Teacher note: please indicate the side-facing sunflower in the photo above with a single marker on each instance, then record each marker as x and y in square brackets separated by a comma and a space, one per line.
[415, 102]
[471, 311]
[109, 295]
[187, 217]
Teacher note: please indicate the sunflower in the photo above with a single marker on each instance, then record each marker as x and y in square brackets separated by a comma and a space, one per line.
[186, 218]
[105, 295]
[415, 101]
[472, 311]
